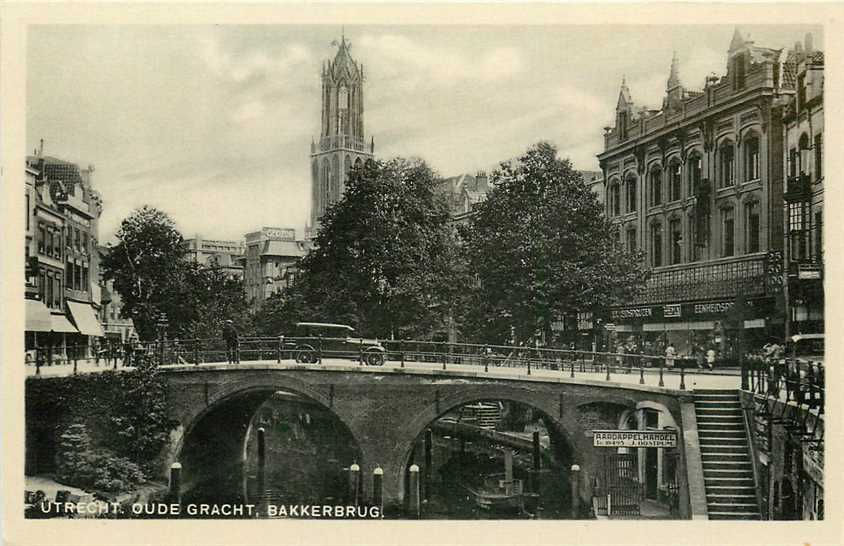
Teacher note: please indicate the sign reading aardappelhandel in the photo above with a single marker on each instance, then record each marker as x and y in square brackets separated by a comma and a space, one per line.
[634, 438]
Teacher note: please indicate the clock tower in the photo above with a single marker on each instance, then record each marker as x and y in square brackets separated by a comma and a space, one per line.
[342, 144]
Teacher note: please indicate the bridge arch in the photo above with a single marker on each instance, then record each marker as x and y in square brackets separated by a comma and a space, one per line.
[566, 437]
[215, 437]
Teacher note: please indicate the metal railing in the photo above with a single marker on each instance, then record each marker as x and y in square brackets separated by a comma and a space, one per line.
[790, 380]
[318, 349]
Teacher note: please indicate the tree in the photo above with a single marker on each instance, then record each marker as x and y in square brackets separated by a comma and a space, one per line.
[381, 259]
[542, 248]
[146, 266]
[155, 279]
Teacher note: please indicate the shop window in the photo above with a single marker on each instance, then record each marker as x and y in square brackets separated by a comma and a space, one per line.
[751, 227]
[728, 226]
[726, 164]
[676, 176]
[751, 159]
[676, 230]
[656, 245]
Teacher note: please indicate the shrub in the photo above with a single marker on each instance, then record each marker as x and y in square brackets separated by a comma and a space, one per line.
[80, 465]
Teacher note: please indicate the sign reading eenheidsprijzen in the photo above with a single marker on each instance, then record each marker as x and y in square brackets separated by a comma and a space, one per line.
[634, 438]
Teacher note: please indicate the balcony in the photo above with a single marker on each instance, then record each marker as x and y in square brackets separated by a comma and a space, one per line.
[342, 141]
[753, 275]
[799, 188]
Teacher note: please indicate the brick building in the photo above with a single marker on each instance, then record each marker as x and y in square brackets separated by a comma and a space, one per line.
[698, 185]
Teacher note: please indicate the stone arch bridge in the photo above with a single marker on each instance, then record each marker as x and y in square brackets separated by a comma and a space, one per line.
[386, 410]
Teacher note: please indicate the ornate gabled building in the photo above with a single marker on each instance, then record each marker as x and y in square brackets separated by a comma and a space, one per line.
[803, 125]
[698, 186]
[342, 142]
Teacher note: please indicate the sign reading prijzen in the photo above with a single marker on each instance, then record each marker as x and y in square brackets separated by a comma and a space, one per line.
[634, 438]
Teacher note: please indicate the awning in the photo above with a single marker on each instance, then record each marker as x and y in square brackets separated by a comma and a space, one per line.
[37, 317]
[679, 326]
[85, 319]
[61, 324]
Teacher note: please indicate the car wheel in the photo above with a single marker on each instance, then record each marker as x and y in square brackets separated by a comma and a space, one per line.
[375, 359]
[306, 356]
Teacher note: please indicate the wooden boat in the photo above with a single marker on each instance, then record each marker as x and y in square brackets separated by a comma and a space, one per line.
[496, 494]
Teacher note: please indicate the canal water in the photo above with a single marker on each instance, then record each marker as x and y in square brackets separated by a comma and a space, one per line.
[308, 452]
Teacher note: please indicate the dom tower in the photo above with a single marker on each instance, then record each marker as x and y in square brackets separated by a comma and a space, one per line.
[341, 142]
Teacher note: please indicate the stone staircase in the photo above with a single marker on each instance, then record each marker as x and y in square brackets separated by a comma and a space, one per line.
[727, 466]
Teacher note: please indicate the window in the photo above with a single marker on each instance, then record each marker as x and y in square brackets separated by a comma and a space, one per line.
[49, 295]
[751, 159]
[676, 176]
[85, 241]
[818, 156]
[726, 157]
[676, 230]
[728, 225]
[631, 194]
[694, 249]
[656, 187]
[57, 298]
[631, 240]
[42, 286]
[792, 163]
[818, 227]
[27, 211]
[656, 245]
[615, 199]
[695, 167]
[751, 227]
[42, 239]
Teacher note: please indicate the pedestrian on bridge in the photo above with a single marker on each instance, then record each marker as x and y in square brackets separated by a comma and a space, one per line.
[670, 353]
[231, 336]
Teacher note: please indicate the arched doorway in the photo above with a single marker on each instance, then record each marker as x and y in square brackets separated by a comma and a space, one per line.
[491, 458]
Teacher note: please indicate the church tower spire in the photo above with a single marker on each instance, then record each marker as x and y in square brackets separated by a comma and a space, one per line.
[342, 142]
[673, 88]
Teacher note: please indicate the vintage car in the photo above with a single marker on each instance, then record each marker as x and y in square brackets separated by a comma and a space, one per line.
[312, 339]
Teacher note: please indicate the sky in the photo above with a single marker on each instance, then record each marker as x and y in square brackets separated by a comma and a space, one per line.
[213, 124]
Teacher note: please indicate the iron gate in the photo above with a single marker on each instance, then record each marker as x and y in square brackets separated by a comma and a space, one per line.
[622, 488]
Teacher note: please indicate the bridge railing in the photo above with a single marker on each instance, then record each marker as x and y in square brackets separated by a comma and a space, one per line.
[316, 349]
[790, 380]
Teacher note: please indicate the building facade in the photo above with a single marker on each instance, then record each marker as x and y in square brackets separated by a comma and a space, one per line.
[342, 143]
[803, 126]
[63, 213]
[698, 186]
[269, 263]
[225, 254]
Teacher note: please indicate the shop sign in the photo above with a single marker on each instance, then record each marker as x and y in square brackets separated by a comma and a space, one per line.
[632, 312]
[672, 311]
[634, 438]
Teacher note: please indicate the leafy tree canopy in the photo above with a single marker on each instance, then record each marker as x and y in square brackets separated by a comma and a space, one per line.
[541, 248]
[154, 278]
[382, 259]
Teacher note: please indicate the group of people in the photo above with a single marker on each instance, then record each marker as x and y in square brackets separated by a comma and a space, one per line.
[628, 354]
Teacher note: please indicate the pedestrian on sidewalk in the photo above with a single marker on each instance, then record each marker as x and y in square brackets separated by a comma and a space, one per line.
[670, 353]
[230, 335]
[710, 359]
